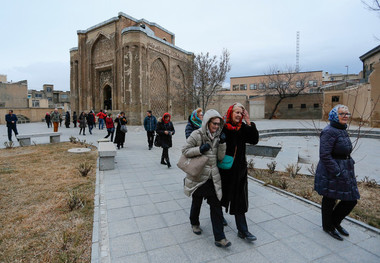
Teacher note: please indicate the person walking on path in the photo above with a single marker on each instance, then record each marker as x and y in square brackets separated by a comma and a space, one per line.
[335, 176]
[75, 119]
[47, 119]
[165, 129]
[120, 135]
[67, 119]
[208, 185]
[90, 121]
[150, 125]
[101, 116]
[11, 120]
[235, 179]
[82, 123]
[194, 123]
[55, 118]
[110, 126]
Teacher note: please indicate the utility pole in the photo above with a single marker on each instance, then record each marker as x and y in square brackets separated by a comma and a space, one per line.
[298, 52]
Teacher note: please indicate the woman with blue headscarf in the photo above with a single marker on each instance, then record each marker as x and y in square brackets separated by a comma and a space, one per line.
[335, 175]
[195, 122]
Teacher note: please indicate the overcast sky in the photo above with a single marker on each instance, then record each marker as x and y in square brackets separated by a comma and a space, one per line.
[36, 36]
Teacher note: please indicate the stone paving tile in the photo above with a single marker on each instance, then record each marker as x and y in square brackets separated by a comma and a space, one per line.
[275, 210]
[279, 252]
[140, 200]
[372, 245]
[117, 203]
[123, 227]
[126, 245]
[356, 254]
[135, 192]
[168, 254]
[257, 215]
[332, 258]
[115, 195]
[150, 222]
[201, 250]
[158, 238]
[119, 214]
[140, 258]
[298, 223]
[176, 217]
[144, 210]
[307, 247]
[278, 229]
[183, 233]
[250, 255]
[161, 197]
[168, 206]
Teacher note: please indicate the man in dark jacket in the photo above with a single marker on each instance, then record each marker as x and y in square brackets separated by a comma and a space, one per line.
[150, 125]
[11, 120]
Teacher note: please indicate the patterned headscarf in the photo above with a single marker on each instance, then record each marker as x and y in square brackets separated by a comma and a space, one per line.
[228, 123]
[163, 117]
[195, 119]
[333, 115]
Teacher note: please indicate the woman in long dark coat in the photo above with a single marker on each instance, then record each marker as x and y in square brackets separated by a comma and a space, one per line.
[335, 175]
[120, 136]
[165, 130]
[67, 119]
[235, 180]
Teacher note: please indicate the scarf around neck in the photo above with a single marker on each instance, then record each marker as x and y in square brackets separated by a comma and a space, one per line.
[228, 123]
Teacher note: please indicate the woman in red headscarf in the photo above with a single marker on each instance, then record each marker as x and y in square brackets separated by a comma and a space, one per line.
[234, 180]
[165, 130]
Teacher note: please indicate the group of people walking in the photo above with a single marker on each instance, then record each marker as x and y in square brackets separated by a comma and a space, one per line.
[217, 138]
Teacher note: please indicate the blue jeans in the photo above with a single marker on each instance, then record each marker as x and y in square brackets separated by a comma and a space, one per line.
[90, 127]
[101, 123]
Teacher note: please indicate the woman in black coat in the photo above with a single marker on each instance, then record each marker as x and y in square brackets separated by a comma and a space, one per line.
[335, 175]
[75, 119]
[120, 135]
[67, 119]
[165, 130]
[235, 180]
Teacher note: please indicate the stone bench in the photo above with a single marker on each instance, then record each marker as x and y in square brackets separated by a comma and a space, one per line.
[107, 153]
[25, 139]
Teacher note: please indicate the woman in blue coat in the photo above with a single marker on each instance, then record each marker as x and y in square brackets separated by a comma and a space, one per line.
[335, 175]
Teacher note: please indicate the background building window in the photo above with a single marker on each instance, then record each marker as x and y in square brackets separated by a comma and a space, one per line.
[35, 103]
[252, 86]
[290, 106]
[262, 86]
[303, 106]
[335, 99]
[316, 105]
[38, 95]
[235, 87]
[243, 86]
[48, 89]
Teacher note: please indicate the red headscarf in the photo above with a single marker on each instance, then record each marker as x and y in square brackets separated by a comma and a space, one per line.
[163, 117]
[228, 123]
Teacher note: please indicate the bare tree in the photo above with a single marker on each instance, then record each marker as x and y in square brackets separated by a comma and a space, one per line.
[285, 84]
[209, 74]
[374, 6]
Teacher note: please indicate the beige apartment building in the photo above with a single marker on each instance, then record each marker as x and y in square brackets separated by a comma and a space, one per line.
[125, 64]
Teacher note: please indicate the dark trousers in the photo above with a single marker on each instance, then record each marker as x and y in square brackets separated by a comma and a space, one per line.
[48, 124]
[110, 132]
[165, 154]
[90, 127]
[333, 214]
[207, 191]
[10, 129]
[84, 131]
[150, 135]
[241, 223]
[75, 124]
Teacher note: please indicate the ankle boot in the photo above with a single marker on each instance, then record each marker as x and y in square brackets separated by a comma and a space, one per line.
[163, 161]
[168, 162]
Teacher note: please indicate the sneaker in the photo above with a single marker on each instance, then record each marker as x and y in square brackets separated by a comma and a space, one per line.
[222, 243]
[196, 229]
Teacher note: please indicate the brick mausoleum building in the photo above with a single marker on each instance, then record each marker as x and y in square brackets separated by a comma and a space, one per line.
[125, 64]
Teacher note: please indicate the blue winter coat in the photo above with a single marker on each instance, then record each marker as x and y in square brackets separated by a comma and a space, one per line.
[335, 175]
[150, 123]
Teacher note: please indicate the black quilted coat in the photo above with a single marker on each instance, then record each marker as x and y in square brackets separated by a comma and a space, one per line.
[335, 175]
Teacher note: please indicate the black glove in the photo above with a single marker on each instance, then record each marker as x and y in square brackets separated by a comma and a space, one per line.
[222, 138]
[204, 147]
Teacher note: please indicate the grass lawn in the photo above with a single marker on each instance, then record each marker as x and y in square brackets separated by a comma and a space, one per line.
[37, 184]
[367, 210]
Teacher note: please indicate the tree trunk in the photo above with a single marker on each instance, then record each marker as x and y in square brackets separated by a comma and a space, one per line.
[275, 108]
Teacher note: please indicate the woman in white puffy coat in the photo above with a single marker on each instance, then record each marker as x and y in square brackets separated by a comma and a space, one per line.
[208, 141]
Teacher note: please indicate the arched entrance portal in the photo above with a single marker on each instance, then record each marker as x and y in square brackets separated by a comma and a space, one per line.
[107, 98]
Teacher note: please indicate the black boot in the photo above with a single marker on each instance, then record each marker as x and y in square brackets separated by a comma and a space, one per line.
[168, 162]
[163, 161]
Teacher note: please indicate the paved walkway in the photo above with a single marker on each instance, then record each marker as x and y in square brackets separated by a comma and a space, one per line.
[141, 215]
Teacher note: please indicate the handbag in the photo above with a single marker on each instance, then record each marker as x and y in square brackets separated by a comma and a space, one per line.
[192, 166]
[124, 128]
[227, 161]
[157, 141]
